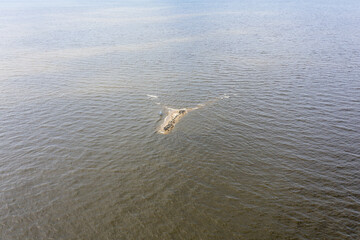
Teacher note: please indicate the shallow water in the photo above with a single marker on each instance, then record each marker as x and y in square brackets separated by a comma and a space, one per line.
[82, 83]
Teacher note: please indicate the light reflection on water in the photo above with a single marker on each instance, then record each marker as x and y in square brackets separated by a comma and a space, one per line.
[276, 158]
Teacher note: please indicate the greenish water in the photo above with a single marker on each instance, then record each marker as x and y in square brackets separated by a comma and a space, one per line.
[276, 156]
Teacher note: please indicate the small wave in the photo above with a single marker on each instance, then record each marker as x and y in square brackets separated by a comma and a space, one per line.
[152, 96]
[225, 96]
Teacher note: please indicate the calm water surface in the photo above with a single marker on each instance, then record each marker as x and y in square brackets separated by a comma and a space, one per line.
[276, 155]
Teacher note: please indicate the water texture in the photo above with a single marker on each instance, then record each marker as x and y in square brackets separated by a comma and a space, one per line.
[276, 157]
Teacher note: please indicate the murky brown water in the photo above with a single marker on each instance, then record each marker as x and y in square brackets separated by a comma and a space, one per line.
[277, 156]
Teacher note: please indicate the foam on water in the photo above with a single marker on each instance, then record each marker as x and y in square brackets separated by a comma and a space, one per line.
[152, 96]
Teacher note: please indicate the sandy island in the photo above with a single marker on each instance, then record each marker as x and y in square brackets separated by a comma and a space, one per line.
[173, 116]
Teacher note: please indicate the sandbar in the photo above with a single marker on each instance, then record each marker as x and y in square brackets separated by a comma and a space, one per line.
[173, 116]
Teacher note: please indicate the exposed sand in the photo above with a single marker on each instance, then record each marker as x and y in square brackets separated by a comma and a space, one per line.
[173, 116]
